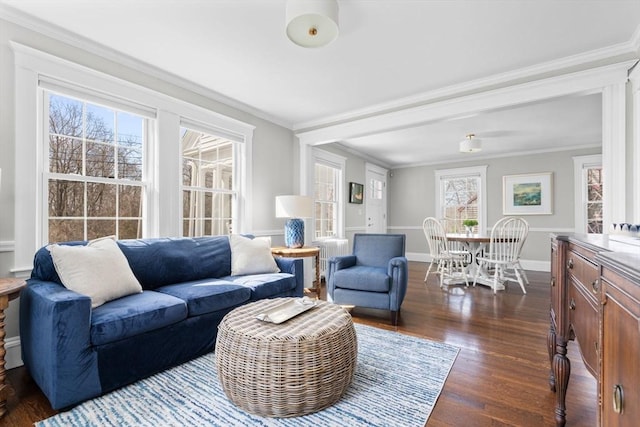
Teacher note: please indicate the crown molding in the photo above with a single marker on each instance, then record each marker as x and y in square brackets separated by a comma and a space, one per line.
[363, 156]
[498, 156]
[550, 68]
[78, 41]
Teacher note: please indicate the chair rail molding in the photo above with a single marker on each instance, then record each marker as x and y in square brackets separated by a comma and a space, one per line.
[7, 245]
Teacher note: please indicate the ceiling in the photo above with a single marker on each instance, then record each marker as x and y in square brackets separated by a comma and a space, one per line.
[388, 53]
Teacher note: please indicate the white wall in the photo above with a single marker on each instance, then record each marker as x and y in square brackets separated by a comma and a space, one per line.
[412, 198]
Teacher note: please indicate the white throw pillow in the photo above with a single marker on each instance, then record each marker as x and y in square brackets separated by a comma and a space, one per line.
[251, 256]
[99, 270]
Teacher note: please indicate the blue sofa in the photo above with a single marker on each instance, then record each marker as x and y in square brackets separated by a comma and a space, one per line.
[75, 353]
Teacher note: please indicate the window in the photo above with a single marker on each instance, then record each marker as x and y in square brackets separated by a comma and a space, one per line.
[117, 168]
[326, 200]
[594, 199]
[94, 178]
[207, 184]
[588, 179]
[460, 196]
[328, 180]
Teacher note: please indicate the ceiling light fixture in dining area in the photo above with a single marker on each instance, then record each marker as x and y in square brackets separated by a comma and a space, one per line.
[470, 144]
[312, 23]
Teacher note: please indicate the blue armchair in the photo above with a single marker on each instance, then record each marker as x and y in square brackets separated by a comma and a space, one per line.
[375, 276]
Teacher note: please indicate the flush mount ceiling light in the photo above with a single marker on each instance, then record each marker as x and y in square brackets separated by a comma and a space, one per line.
[312, 23]
[470, 144]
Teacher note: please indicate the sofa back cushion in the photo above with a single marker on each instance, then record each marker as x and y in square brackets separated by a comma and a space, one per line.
[159, 261]
[164, 261]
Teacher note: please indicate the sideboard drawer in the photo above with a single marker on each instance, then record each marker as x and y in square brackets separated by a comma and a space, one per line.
[583, 323]
[582, 267]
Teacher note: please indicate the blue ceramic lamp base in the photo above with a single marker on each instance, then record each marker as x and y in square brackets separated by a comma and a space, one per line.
[294, 233]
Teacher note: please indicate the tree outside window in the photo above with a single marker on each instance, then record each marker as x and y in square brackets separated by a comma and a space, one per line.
[594, 199]
[460, 202]
[95, 171]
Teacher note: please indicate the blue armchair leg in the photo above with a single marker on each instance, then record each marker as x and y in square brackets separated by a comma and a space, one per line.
[394, 317]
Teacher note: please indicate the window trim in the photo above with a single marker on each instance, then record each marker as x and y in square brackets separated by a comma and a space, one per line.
[32, 66]
[479, 171]
[580, 164]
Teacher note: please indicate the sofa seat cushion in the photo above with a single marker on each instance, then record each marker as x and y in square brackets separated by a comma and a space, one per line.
[134, 315]
[363, 278]
[206, 296]
[265, 285]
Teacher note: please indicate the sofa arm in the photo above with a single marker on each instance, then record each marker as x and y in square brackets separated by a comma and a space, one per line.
[293, 266]
[398, 271]
[55, 328]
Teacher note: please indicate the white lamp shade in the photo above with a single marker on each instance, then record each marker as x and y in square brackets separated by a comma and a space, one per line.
[294, 207]
[312, 23]
[470, 145]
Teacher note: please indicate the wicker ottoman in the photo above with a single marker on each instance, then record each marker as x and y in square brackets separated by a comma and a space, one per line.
[290, 369]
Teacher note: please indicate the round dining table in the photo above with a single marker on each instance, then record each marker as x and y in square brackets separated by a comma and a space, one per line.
[475, 244]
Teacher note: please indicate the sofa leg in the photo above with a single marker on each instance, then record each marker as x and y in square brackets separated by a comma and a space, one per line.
[394, 317]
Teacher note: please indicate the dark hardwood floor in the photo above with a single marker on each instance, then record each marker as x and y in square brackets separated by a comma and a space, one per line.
[500, 377]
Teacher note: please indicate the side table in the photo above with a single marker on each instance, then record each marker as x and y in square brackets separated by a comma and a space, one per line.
[9, 290]
[303, 252]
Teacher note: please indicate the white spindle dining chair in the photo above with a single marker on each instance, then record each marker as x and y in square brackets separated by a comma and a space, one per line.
[507, 238]
[450, 264]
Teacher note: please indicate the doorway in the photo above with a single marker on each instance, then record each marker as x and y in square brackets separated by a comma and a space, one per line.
[375, 199]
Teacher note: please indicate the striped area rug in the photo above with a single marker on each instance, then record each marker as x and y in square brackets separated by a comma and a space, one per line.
[397, 382]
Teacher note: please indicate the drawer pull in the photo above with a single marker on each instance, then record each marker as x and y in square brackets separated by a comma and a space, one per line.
[553, 281]
[595, 285]
[572, 304]
[618, 399]
[570, 263]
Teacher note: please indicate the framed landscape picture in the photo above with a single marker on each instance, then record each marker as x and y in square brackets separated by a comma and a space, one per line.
[356, 193]
[529, 194]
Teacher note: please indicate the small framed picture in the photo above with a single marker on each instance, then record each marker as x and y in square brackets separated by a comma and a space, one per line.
[530, 194]
[356, 193]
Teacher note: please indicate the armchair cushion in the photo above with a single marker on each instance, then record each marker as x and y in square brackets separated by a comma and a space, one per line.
[363, 278]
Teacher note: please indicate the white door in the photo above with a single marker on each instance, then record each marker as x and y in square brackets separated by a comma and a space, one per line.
[375, 199]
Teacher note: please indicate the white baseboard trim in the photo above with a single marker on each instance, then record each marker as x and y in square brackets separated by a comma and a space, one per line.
[13, 355]
[418, 256]
[527, 264]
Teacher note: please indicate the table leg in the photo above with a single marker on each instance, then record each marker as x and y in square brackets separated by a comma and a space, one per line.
[476, 248]
[318, 284]
[4, 387]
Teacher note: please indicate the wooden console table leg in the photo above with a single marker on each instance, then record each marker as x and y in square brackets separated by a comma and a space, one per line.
[9, 289]
[561, 371]
[551, 348]
[4, 387]
[318, 286]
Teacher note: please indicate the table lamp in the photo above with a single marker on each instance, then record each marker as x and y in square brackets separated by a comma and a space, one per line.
[294, 208]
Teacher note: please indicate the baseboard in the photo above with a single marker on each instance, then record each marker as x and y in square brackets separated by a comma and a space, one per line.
[527, 264]
[13, 355]
[418, 256]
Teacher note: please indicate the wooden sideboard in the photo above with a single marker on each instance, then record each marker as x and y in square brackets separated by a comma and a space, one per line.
[595, 301]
